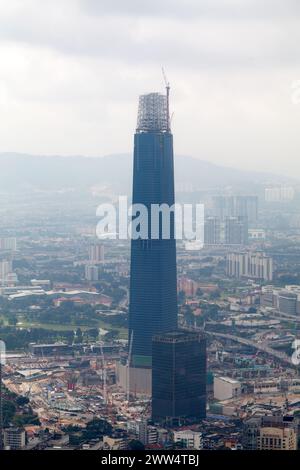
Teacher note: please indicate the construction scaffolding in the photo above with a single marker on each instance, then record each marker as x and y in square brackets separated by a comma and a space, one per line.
[153, 113]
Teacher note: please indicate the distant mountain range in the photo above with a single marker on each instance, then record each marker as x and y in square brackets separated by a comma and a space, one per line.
[22, 172]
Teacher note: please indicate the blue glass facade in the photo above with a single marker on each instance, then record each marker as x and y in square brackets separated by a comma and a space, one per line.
[153, 286]
[179, 377]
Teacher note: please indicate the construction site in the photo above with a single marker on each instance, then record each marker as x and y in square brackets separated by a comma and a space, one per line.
[64, 391]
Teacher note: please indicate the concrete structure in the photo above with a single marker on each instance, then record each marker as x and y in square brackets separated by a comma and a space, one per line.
[249, 264]
[189, 439]
[147, 434]
[91, 273]
[256, 234]
[236, 231]
[236, 206]
[5, 270]
[225, 388]
[286, 301]
[138, 380]
[55, 349]
[212, 231]
[270, 433]
[96, 254]
[40, 282]
[31, 374]
[188, 286]
[114, 443]
[279, 194]
[14, 438]
[270, 438]
[267, 386]
[8, 243]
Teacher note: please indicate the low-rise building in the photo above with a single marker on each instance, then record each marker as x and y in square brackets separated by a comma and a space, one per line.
[226, 388]
[286, 301]
[188, 439]
[114, 443]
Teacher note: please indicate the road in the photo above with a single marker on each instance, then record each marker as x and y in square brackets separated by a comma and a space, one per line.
[260, 346]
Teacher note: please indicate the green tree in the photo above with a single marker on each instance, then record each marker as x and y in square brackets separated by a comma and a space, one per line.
[21, 401]
[97, 428]
[9, 410]
[136, 445]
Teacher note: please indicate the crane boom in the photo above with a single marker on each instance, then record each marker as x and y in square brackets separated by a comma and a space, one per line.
[168, 98]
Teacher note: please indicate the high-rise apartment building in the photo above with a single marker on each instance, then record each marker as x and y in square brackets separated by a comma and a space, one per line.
[91, 273]
[188, 286]
[288, 302]
[5, 270]
[246, 206]
[236, 206]
[223, 207]
[270, 433]
[285, 300]
[8, 243]
[250, 264]
[279, 194]
[96, 254]
[236, 230]
[179, 377]
[212, 231]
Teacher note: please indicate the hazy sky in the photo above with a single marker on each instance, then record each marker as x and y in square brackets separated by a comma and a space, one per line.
[71, 72]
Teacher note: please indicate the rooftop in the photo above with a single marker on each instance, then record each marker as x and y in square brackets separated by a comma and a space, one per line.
[229, 380]
[153, 113]
[178, 336]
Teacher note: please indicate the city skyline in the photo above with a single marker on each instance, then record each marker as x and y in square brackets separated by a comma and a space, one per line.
[149, 303]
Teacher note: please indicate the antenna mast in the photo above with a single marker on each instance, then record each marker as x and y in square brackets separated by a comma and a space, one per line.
[168, 98]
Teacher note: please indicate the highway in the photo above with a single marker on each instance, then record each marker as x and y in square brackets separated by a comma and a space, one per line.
[263, 346]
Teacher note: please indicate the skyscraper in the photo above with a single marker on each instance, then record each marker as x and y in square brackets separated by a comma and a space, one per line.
[236, 230]
[153, 286]
[5, 270]
[179, 377]
[91, 272]
[212, 231]
[96, 254]
[236, 206]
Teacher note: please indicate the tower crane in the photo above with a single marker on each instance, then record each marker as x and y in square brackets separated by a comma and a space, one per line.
[168, 98]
